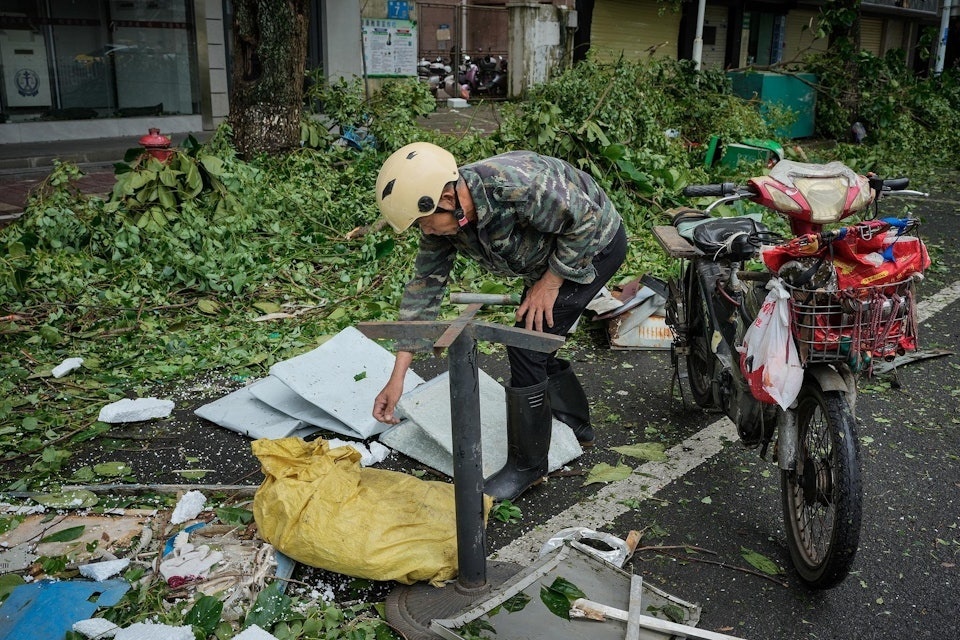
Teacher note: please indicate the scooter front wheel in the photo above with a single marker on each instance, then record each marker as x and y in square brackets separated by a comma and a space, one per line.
[822, 499]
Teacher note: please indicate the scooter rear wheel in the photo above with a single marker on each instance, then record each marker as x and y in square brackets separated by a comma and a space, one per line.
[822, 499]
[700, 359]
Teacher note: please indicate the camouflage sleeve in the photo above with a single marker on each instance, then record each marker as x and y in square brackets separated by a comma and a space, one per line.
[424, 292]
[566, 210]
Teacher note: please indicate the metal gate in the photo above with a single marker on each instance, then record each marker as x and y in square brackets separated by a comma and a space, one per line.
[449, 32]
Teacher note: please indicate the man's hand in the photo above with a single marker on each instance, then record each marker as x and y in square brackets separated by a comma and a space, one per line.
[536, 311]
[386, 401]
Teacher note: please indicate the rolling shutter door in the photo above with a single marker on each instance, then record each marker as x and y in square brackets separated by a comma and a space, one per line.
[632, 28]
[871, 32]
[798, 38]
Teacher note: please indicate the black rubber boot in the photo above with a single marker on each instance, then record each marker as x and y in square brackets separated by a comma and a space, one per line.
[529, 425]
[569, 403]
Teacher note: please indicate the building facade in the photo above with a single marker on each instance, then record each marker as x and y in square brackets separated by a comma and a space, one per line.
[73, 69]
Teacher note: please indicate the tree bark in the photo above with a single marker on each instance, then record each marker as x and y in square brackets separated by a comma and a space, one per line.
[269, 60]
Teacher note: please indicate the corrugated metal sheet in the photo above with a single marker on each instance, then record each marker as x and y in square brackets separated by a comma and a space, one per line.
[871, 35]
[798, 38]
[632, 28]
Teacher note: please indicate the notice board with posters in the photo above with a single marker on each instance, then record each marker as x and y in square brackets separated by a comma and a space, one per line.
[390, 48]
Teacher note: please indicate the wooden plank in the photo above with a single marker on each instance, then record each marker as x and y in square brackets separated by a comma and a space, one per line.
[673, 243]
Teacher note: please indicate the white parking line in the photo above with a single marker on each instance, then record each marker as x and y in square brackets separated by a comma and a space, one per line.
[606, 505]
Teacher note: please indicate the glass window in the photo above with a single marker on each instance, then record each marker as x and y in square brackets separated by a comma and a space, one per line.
[103, 58]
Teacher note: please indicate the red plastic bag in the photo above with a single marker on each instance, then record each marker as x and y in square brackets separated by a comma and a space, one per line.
[883, 259]
[768, 357]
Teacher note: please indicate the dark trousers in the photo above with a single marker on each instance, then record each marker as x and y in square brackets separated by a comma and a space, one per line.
[528, 368]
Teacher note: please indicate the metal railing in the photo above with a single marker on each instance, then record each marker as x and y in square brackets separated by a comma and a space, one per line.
[924, 6]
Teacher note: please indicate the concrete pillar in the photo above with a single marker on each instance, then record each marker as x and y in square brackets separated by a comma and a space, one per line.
[342, 42]
[540, 43]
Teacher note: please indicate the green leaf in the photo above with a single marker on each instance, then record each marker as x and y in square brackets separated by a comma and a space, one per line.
[192, 474]
[212, 164]
[9, 582]
[207, 306]
[76, 499]
[166, 197]
[558, 596]
[516, 603]
[760, 562]
[267, 307]
[16, 250]
[234, 515]
[360, 376]
[643, 451]
[271, 607]
[49, 334]
[556, 603]
[205, 614]
[113, 469]
[603, 472]
[65, 535]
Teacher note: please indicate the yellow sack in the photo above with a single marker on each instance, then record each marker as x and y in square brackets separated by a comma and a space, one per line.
[321, 508]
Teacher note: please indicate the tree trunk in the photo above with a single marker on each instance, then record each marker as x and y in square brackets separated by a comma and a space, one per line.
[269, 60]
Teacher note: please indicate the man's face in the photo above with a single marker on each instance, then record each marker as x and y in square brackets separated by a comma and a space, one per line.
[441, 223]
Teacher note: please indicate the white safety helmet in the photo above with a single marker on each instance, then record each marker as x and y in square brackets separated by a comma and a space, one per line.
[411, 182]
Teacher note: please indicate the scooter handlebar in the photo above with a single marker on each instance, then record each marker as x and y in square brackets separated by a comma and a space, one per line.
[710, 190]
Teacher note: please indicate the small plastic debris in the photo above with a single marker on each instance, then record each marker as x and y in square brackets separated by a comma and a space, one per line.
[66, 367]
[189, 507]
[137, 410]
[95, 628]
[100, 571]
[150, 631]
[616, 553]
[253, 632]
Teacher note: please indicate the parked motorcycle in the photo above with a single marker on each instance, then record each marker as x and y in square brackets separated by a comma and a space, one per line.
[492, 77]
[432, 73]
[844, 298]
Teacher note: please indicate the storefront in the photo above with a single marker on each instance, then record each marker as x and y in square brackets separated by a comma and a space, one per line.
[63, 59]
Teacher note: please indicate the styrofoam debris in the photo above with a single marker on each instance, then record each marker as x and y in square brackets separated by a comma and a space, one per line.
[100, 571]
[376, 453]
[379, 452]
[189, 507]
[137, 410]
[150, 631]
[66, 367]
[188, 561]
[253, 632]
[95, 628]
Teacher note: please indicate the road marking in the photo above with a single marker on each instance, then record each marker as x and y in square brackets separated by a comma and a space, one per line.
[606, 505]
[930, 306]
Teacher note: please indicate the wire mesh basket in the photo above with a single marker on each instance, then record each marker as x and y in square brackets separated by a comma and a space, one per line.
[865, 323]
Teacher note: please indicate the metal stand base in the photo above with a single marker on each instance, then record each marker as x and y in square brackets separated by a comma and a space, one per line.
[411, 608]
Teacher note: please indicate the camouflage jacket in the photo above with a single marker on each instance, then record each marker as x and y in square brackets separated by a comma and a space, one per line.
[533, 213]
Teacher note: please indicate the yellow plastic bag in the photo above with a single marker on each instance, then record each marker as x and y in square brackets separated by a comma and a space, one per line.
[321, 508]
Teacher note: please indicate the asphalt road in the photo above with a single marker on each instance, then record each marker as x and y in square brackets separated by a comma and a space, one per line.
[720, 500]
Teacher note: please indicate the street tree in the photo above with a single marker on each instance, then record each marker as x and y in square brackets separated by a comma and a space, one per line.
[840, 22]
[269, 60]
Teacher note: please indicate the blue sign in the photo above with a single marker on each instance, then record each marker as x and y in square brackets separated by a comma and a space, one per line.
[398, 10]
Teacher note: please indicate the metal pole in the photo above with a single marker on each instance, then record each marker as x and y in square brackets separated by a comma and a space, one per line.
[944, 30]
[467, 460]
[698, 38]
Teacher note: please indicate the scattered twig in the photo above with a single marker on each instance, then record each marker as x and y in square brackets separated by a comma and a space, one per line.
[728, 566]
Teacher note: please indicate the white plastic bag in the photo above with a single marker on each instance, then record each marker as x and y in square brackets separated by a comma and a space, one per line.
[768, 357]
